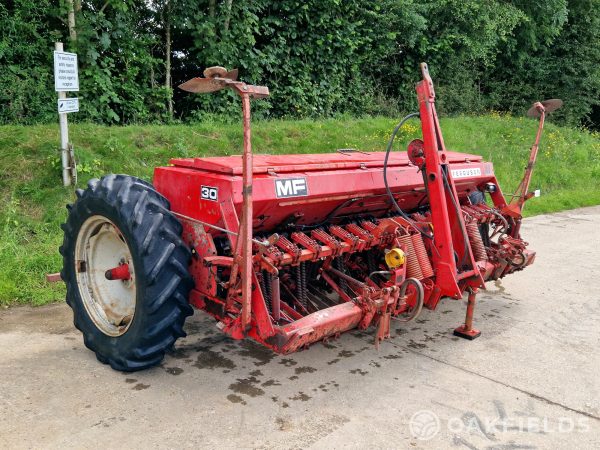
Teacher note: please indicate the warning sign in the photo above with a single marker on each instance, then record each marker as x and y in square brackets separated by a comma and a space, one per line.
[66, 76]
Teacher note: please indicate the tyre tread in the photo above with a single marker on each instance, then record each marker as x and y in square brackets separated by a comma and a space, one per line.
[157, 235]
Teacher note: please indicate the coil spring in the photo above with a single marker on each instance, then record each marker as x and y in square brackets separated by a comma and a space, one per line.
[301, 284]
[371, 261]
[413, 268]
[476, 242]
[422, 255]
[338, 263]
[264, 281]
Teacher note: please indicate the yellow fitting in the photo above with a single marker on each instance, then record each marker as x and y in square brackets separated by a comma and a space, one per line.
[395, 258]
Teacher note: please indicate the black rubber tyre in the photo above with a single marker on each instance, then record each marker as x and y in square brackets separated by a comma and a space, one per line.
[160, 260]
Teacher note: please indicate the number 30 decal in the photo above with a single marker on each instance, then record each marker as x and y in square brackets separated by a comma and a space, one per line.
[209, 193]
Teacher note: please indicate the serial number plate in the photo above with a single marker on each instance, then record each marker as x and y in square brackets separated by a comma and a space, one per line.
[464, 173]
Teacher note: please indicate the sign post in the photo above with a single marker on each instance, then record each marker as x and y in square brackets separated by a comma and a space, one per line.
[66, 78]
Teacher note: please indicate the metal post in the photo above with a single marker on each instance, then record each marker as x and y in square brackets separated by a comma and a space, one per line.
[245, 234]
[435, 157]
[515, 208]
[470, 310]
[64, 133]
[466, 330]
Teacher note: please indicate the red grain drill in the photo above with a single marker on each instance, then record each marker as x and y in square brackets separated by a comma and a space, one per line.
[288, 250]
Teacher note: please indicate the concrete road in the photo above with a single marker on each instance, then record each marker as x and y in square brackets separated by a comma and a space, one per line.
[530, 381]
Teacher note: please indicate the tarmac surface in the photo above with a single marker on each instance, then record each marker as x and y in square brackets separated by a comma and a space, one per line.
[530, 381]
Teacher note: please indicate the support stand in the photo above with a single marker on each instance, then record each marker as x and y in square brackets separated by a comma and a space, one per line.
[383, 328]
[467, 331]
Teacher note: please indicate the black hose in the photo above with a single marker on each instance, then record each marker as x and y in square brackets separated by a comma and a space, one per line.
[385, 181]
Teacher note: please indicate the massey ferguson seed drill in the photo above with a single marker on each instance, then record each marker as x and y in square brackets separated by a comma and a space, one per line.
[288, 250]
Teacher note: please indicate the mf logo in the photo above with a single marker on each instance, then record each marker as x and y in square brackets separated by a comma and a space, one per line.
[291, 187]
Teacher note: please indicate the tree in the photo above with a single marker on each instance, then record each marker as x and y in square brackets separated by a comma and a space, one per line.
[319, 57]
[166, 20]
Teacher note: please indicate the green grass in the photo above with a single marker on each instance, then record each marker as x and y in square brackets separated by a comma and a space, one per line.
[568, 171]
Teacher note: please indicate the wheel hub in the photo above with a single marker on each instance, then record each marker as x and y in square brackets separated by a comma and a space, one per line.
[105, 275]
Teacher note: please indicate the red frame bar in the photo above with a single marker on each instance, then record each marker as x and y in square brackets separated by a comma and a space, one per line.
[445, 241]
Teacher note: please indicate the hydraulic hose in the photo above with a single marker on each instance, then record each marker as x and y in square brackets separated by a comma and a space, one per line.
[385, 181]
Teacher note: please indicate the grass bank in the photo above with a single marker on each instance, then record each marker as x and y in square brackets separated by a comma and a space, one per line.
[568, 171]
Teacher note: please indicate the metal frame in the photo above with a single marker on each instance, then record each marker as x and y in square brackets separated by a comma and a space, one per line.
[444, 265]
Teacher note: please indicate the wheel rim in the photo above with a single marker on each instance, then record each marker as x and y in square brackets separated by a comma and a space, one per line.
[110, 303]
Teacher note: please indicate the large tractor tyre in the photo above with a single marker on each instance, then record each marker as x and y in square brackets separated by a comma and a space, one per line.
[126, 270]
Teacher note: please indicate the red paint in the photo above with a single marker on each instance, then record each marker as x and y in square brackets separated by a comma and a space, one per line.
[300, 207]
[120, 272]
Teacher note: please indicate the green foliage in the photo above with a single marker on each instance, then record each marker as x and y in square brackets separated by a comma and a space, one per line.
[320, 58]
[119, 60]
[312, 54]
[27, 32]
